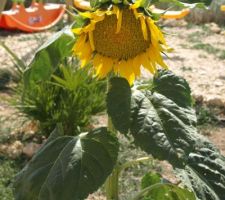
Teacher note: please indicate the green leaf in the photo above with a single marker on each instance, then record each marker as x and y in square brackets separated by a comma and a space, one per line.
[159, 126]
[49, 56]
[98, 3]
[150, 179]
[56, 133]
[173, 87]
[118, 103]
[68, 168]
[156, 188]
[166, 192]
[165, 127]
[204, 172]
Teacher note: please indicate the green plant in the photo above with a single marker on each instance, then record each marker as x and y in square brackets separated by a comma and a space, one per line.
[210, 50]
[205, 115]
[8, 169]
[70, 98]
[157, 115]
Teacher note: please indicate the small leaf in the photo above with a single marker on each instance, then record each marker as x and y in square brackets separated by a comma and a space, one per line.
[97, 3]
[162, 191]
[56, 133]
[150, 179]
[48, 57]
[118, 103]
[68, 167]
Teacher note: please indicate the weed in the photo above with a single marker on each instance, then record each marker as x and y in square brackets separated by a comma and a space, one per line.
[186, 68]
[8, 169]
[195, 37]
[206, 115]
[222, 55]
[70, 98]
[208, 48]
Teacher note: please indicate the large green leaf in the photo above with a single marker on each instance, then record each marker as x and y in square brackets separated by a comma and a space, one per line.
[68, 168]
[165, 127]
[204, 172]
[118, 103]
[48, 56]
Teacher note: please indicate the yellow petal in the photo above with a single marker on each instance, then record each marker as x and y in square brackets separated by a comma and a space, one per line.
[116, 66]
[157, 57]
[85, 14]
[136, 14]
[97, 61]
[86, 54]
[98, 16]
[137, 65]
[126, 71]
[144, 28]
[119, 20]
[90, 35]
[89, 27]
[137, 4]
[146, 63]
[79, 43]
[105, 68]
[77, 31]
[156, 34]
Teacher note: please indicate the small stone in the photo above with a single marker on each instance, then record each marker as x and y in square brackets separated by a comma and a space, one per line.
[175, 23]
[215, 101]
[30, 149]
[214, 28]
[218, 83]
[15, 149]
[198, 98]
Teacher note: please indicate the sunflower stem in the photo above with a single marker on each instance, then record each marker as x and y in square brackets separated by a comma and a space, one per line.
[112, 185]
[112, 182]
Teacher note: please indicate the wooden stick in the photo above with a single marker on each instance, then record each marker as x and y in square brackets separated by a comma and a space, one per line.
[69, 4]
[2, 6]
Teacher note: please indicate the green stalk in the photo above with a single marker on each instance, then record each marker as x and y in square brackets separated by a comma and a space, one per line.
[133, 162]
[112, 185]
[112, 182]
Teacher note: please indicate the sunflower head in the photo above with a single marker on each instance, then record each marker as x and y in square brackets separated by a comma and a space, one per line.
[120, 39]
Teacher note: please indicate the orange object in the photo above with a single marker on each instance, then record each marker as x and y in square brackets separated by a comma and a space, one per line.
[37, 17]
[222, 8]
[171, 14]
[85, 5]
[82, 5]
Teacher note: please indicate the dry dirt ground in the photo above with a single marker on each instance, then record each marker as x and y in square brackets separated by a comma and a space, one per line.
[199, 56]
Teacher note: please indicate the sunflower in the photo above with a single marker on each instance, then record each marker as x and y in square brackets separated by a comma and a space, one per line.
[120, 39]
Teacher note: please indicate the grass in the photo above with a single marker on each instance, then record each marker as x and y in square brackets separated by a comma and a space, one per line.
[8, 169]
[195, 39]
[197, 35]
[208, 48]
[207, 116]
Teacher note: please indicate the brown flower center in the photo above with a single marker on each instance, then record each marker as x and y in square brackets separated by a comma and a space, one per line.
[126, 44]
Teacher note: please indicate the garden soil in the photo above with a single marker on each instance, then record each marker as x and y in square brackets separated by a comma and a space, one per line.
[198, 55]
